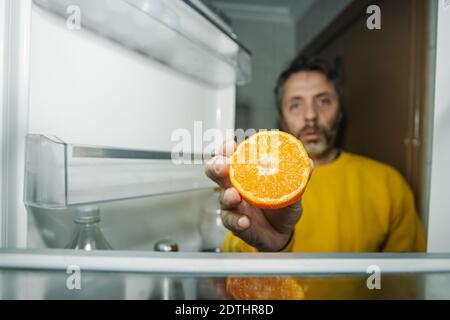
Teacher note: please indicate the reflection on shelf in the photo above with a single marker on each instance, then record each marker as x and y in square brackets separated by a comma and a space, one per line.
[171, 32]
[60, 175]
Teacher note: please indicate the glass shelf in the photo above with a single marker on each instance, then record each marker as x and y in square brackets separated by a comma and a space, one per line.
[60, 175]
[172, 32]
[42, 274]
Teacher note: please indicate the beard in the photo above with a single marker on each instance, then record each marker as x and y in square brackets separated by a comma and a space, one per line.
[324, 144]
[317, 149]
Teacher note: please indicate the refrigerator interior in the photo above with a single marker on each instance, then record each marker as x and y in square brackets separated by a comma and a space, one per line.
[129, 101]
[161, 72]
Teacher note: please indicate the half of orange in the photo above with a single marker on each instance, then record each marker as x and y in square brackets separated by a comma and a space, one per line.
[270, 169]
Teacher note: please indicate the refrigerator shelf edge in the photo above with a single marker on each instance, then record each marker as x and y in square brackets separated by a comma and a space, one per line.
[190, 263]
[60, 175]
[214, 15]
[170, 32]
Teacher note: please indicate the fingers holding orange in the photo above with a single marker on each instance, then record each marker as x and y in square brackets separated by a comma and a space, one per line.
[228, 148]
[234, 221]
[217, 168]
[229, 199]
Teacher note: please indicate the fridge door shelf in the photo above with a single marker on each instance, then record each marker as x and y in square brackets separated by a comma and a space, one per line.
[172, 32]
[60, 175]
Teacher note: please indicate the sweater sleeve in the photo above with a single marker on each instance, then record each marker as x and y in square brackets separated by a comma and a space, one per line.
[232, 243]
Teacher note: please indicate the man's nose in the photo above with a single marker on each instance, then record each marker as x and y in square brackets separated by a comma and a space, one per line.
[310, 113]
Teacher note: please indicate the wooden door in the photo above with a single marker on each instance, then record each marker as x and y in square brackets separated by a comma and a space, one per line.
[384, 76]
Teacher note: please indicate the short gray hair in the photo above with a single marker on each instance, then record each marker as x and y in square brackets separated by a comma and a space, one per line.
[305, 63]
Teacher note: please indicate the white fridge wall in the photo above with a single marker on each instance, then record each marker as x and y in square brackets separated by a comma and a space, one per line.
[439, 219]
[87, 89]
[128, 225]
[2, 85]
[15, 17]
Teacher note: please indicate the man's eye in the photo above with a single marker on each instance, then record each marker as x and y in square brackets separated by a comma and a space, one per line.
[325, 102]
[294, 106]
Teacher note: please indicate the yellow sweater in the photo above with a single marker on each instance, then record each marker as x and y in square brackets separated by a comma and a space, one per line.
[353, 204]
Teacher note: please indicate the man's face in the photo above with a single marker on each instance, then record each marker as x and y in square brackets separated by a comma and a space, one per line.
[310, 111]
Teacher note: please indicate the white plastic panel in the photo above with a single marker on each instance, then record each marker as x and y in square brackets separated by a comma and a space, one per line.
[2, 97]
[15, 51]
[86, 89]
[439, 219]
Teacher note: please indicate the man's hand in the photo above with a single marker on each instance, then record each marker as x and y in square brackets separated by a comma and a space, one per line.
[266, 230]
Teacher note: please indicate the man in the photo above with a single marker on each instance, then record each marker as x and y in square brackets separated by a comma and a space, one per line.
[351, 204]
